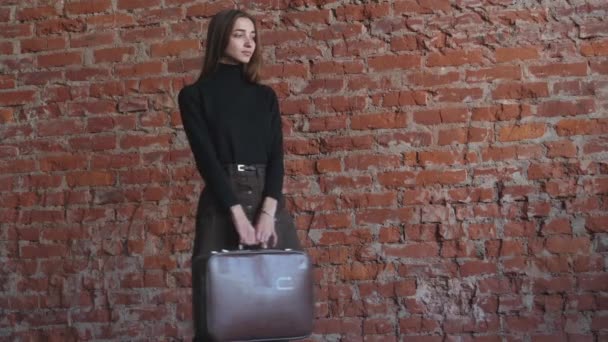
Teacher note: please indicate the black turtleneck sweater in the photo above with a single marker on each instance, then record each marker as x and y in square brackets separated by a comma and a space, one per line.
[239, 124]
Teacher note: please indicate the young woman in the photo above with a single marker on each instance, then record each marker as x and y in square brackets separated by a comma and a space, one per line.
[233, 125]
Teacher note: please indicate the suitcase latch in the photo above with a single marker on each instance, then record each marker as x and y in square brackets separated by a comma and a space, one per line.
[284, 284]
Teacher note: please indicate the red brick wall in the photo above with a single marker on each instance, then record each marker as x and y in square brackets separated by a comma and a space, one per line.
[446, 166]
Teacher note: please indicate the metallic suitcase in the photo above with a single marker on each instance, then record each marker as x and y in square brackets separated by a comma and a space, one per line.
[257, 295]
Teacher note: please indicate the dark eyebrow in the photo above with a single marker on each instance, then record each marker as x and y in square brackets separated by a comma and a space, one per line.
[242, 30]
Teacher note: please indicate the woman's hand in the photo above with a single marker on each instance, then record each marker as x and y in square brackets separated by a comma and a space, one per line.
[265, 230]
[264, 227]
[243, 226]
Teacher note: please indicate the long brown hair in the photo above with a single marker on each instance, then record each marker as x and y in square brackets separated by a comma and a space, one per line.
[218, 36]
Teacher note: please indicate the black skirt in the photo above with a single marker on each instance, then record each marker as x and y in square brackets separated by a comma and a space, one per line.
[215, 231]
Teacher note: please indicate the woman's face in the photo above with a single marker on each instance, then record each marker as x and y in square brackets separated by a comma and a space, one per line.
[242, 42]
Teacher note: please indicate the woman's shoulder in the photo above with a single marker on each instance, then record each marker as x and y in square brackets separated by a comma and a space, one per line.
[194, 89]
[267, 90]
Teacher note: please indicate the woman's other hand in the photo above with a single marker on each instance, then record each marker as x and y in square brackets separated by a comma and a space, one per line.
[265, 227]
[243, 227]
[265, 230]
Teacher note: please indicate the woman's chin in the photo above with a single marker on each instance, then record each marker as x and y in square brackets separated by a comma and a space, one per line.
[243, 59]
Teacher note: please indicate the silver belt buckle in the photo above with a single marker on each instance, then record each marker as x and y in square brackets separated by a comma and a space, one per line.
[240, 167]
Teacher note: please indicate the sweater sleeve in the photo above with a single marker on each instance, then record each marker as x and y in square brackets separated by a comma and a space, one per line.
[275, 169]
[197, 131]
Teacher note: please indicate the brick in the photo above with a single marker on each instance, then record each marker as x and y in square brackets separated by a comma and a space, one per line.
[454, 58]
[60, 59]
[291, 52]
[310, 17]
[482, 231]
[138, 141]
[359, 271]
[404, 98]
[440, 158]
[328, 165]
[377, 121]
[517, 91]
[421, 6]
[445, 115]
[503, 112]
[452, 136]
[92, 39]
[494, 73]
[207, 9]
[458, 94]
[60, 127]
[427, 177]
[89, 178]
[432, 80]
[522, 132]
[368, 200]
[389, 234]
[43, 44]
[595, 48]
[413, 250]
[16, 97]
[136, 4]
[597, 282]
[557, 226]
[339, 143]
[406, 139]
[174, 48]
[147, 34]
[514, 54]
[597, 224]
[323, 86]
[113, 54]
[383, 216]
[301, 146]
[339, 103]
[465, 324]
[353, 237]
[593, 29]
[596, 145]
[404, 43]
[566, 108]
[81, 74]
[562, 148]
[358, 12]
[336, 183]
[338, 326]
[35, 13]
[559, 244]
[563, 69]
[58, 163]
[397, 179]
[88, 6]
[60, 26]
[43, 251]
[383, 63]
[138, 70]
[365, 162]
[473, 268]
[327, 123]
[314, 203]
[7, 82]
[570, 127]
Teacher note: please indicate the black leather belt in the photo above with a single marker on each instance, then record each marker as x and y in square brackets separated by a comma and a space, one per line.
[242, 169]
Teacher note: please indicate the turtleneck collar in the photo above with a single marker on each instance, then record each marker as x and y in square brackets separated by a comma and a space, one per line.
[230, 70]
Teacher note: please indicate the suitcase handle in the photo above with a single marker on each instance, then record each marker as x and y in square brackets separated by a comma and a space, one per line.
[242, 247]
[255, 247]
